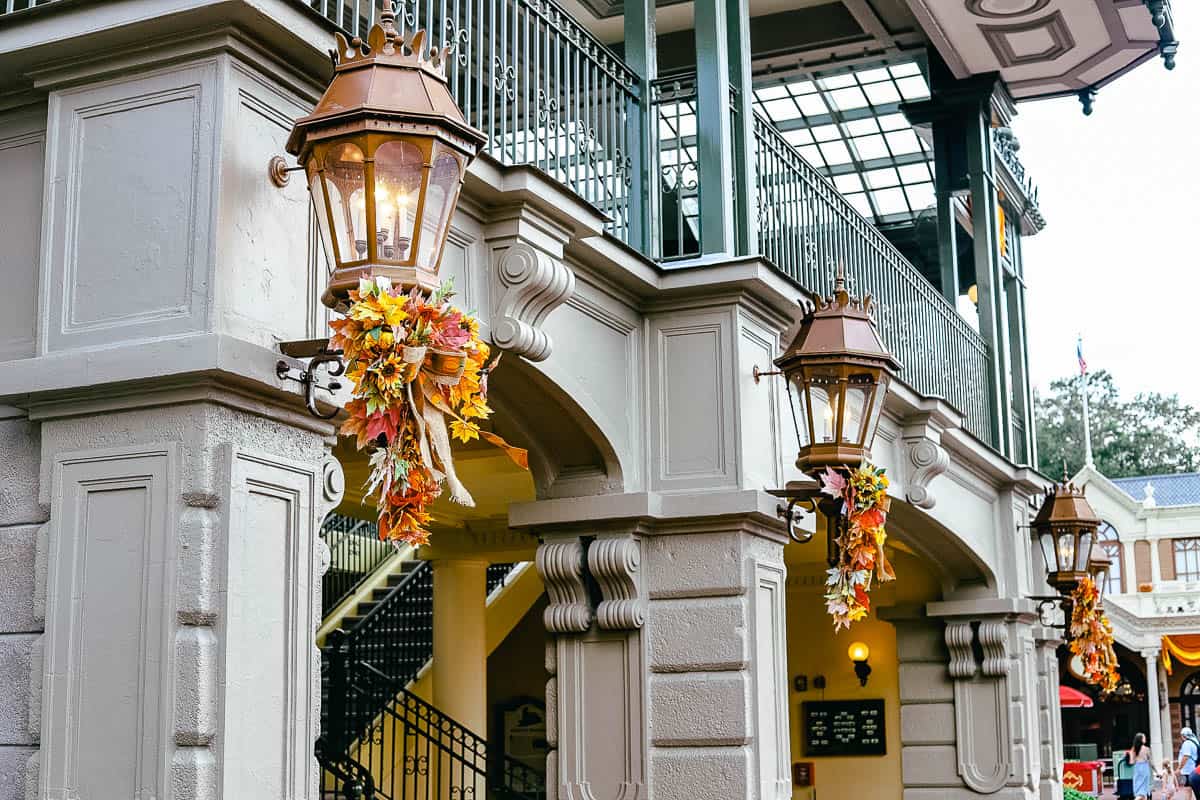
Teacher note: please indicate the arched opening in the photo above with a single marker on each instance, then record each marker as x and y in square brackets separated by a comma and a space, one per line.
[441, 649]
[904, 646]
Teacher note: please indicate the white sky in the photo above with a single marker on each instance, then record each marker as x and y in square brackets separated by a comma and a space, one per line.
[1121, 194]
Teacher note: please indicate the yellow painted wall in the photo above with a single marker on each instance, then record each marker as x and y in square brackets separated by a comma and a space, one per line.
[814, 649]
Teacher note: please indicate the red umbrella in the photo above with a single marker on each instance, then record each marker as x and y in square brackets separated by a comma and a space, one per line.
[1073, 698]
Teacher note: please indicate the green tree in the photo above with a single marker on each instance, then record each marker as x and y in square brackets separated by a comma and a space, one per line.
[1151, 434]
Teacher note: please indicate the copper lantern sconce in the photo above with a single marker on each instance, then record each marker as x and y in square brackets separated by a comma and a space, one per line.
[384, 154]
[1065, 530]
[837, 372]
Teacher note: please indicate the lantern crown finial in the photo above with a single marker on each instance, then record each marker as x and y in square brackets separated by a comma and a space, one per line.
[387, 45]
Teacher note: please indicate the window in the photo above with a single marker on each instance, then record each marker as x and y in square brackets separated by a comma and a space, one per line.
[1187, 559]
[1110, 543]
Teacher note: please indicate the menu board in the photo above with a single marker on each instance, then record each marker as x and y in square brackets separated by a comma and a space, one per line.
[844, 728]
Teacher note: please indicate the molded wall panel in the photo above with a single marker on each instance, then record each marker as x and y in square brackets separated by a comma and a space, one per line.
[22, 166]
[692, 422]
[269, 670]
[107, 721]
[130, 204]
[270, 273]
[765, 428]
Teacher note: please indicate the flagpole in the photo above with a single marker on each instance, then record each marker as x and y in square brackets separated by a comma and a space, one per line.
[1087, 427]
[1088, 461]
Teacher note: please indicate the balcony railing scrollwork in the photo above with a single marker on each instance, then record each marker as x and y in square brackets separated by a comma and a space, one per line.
[807, 227]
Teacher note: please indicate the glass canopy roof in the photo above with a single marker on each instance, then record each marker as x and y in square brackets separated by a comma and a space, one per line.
[849, 126]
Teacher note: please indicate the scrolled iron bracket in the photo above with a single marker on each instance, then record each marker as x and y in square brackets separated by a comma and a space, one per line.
[319, 355]
[1048, 603]
[791, 521]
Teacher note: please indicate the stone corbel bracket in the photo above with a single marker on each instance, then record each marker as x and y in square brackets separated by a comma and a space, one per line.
[530, 283]
[926, 459]
[529, 278]
[614, 564]
[981, 702]
[561, 566]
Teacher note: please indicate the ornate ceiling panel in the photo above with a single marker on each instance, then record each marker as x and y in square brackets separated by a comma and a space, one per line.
[1047, 47]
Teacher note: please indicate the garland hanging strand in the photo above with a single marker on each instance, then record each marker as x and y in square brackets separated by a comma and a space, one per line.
[1092, 637]
[413, 361]
[860, 544]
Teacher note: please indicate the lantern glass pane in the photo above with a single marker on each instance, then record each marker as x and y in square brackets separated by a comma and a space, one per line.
[799, 403]
[345, 179]
[444, 181]
[875, 411]
[1084, 552]
[1049, 555]
[1066, 551]
[824, 411]
[316, 188]
[854, 417]
[398, 171]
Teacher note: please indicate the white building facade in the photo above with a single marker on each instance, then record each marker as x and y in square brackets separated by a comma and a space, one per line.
[164, 488]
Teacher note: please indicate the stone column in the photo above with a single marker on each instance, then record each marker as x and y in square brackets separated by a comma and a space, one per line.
[1129, 567]
[1168, 735]
[669, 676]
[460, 641]
[1155, 564]
[994, 669]
[1154, 716]
[182, 595]
[1049, 714]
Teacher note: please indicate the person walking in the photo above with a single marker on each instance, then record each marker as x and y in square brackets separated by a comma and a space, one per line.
[1188, 760]
[1143, 767]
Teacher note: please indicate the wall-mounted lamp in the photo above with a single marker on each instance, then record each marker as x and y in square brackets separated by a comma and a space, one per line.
[859, 653]
[1065, 528]
[837, 372]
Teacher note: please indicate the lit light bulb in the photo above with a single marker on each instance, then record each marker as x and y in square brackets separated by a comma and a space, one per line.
[1066, 550]
[859, 651]
[828, 432]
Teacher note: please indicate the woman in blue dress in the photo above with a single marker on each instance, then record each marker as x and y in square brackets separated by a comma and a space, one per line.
[1143, 771]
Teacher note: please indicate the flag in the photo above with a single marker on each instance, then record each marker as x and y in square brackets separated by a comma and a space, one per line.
[1079, 355]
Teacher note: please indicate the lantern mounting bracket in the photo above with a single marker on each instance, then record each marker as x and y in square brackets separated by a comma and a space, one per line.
[760, 374]
[319, 355]
[1047, 603]
[279, 172]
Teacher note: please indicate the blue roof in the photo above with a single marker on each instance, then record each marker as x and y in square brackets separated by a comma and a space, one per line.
[1180, 489]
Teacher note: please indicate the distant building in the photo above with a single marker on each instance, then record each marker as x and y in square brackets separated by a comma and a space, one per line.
[1151, 532]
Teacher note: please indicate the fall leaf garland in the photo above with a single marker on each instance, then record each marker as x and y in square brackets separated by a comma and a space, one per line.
[865, 503]
[1092, 638]
[414, 362]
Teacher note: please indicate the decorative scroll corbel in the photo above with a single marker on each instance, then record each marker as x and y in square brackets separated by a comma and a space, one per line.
[614, 563]
[532, 284]
[959, 637]
[928, 460]
[993, 640]
[561, 566]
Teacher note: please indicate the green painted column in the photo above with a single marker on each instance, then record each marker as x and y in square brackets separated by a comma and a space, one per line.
[745, 186]
[641, 56]
[714, 151]
[1019, 348]
[989, 279]
[946, 224]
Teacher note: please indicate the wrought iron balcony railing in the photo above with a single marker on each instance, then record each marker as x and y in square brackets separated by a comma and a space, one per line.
[806, 228]
[549, 94]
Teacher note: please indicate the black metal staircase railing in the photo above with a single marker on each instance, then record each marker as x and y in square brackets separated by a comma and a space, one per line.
[355, 552]
[371, 725]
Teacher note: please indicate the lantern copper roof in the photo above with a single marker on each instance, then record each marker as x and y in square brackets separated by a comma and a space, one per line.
[840, 327]
[388, 83]
[1065, 505]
